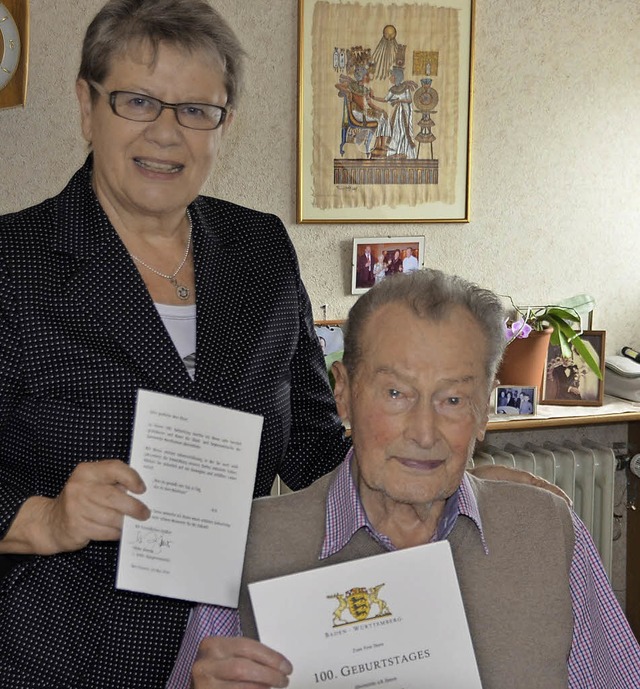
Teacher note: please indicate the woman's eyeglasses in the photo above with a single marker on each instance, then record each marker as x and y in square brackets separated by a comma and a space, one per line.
[139, 107]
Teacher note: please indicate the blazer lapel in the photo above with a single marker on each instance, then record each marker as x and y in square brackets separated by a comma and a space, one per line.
[222, 314]
[104, 282]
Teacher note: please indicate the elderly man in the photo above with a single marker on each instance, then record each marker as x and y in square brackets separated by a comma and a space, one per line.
[540, 609]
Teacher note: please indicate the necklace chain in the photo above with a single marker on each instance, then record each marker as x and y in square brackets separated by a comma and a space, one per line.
[182, 291]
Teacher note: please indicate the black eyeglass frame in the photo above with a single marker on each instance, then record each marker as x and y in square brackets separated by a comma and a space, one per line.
[112, 95]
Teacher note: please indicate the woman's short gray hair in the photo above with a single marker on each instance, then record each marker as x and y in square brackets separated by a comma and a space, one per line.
[429, 294]
[189, 24]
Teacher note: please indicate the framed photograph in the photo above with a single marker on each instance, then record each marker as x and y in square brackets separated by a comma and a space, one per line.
[384, 102]
[375, 258]
[516, 400]
[569, 380]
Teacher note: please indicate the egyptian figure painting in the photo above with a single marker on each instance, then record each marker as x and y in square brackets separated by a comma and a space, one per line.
[384, 110]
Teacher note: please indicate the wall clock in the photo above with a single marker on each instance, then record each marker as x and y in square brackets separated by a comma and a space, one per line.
[14, 52]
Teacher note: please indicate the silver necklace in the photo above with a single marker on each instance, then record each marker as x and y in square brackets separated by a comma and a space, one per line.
[182, 291]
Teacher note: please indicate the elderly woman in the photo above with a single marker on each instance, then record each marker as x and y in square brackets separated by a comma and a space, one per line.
[130, 279]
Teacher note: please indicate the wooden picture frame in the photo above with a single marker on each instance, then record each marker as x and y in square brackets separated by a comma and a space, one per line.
[384, 103]
[387, 255]
[14, 13]
[570, 381]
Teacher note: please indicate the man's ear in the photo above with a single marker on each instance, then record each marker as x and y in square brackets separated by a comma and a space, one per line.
[483, 420]
[483, 413]
[341, 390]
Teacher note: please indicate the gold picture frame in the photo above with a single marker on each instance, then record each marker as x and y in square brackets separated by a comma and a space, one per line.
[384, 111]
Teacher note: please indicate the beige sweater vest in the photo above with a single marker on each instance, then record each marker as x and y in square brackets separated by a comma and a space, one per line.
[516, 598]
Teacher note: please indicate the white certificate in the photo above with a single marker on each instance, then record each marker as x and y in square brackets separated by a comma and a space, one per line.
[198, 462]
[394, 620]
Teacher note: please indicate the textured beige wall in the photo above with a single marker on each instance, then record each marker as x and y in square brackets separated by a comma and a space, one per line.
[555, 202]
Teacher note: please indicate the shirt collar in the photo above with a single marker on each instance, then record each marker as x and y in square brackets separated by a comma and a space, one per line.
[345, 514]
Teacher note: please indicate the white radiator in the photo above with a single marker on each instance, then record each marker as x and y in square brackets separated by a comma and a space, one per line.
[586, 472]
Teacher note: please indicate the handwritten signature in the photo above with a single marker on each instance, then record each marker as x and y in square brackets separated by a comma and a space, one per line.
[152, 542]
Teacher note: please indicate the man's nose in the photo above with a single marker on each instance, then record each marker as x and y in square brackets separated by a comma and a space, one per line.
[422, 427]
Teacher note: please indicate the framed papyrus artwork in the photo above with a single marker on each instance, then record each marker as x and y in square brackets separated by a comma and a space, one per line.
[384, 103]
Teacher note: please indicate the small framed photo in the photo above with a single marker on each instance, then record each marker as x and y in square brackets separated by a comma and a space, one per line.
[375, 258]
[515, 400]
[568, 380]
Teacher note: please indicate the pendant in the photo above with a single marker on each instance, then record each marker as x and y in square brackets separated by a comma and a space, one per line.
[182, 291]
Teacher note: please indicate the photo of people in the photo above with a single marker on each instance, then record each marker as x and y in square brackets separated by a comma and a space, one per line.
[514, 400]
[568, 379]
[375, 259]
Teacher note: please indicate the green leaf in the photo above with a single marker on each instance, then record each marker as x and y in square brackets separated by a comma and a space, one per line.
[586, 355]
[556, 313]
[565, 333]
[567, 338]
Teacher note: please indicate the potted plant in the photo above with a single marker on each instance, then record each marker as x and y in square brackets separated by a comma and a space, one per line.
[529, 333]
[560, 318]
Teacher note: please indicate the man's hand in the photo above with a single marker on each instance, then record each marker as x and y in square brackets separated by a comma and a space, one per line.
[497, 472]
[238, 663]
